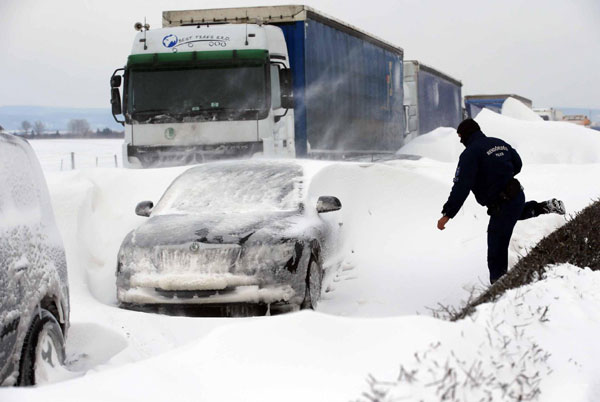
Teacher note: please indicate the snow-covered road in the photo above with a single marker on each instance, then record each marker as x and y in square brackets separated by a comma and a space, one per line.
[391, 263]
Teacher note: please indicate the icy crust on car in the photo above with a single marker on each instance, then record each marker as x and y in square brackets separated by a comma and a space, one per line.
[34, 273]
[225, 232]
[24, 198]
[256, 186]
[252, 257]
[30, 250]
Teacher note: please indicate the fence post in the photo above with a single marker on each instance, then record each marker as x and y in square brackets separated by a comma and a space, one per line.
[61, 164]
[96, 161]
[72, 160]
[116, 165]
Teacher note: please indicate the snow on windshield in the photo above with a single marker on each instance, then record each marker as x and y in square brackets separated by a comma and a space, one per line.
[247, 186]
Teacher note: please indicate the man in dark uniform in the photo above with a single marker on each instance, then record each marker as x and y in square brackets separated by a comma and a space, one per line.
[487, 168]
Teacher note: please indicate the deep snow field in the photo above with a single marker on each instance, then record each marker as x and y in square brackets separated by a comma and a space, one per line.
[392, 266]
[55, 155]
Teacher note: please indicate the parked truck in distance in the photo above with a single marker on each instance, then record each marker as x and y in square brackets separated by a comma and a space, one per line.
[549, 113]
[432, 99]
[474, 103]
[280, 81]
[579, 119]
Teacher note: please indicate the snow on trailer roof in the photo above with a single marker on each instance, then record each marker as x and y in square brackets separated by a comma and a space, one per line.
[434, 71]
[268, 14]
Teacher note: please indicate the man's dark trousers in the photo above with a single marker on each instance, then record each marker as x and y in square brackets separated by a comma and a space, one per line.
[501, 227]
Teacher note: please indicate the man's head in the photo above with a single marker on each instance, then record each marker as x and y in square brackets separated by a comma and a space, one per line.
[466, 128]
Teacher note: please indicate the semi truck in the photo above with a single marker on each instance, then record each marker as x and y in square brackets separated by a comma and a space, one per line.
[474, 103]
[284, 81]
[432, 99]
[549, 113]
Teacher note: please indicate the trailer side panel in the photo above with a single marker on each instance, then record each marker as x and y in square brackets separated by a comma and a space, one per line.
[353, 92]
[439, 101]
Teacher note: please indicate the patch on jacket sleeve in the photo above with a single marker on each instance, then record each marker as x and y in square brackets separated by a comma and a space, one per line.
[455, 180]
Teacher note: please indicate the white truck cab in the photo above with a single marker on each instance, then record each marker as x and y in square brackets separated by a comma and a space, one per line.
[205, 91]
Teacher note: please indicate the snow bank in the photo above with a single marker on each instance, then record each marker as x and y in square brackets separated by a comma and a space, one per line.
[390, 263]
[441, 144]
[538, 142]
[387, 262]
[522, 347]
[517, 110]
[544, 141]
[311, 356]
[55, 155]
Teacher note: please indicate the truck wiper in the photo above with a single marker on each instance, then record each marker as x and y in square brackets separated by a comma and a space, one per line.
[147, 111]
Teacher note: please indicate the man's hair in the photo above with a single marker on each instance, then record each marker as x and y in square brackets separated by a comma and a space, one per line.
[468, 127]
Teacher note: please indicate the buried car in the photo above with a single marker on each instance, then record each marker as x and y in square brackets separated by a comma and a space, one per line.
[34, 294]
[227, 238]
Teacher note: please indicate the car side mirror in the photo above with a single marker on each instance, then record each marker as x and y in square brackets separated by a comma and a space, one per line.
[286, 87]
[144, 208]
[328, 204]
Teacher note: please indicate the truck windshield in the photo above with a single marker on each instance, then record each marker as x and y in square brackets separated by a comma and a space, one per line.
[192, 94]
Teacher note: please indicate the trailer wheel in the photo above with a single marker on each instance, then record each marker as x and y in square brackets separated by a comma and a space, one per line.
[43, 349]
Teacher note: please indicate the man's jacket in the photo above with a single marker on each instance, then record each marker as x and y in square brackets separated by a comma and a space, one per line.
[485, 167]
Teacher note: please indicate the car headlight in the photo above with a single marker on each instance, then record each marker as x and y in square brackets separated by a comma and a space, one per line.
[265, 256]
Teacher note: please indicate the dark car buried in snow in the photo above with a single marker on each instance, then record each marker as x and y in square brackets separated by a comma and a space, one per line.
[227, 238]
[34, 297]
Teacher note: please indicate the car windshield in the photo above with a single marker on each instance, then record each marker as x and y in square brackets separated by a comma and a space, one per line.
[227, 187]
[215, 93]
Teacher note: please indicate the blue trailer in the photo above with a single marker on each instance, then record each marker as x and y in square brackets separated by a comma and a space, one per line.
[347, 86]
[281, 81]
[475, 103]
[432, 99]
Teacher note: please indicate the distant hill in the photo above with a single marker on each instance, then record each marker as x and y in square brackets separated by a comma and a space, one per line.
[56, 118]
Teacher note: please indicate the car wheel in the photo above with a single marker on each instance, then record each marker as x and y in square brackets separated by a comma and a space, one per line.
[313, 285]
[43, 350]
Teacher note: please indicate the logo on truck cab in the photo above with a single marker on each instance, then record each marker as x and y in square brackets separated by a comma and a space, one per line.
[170, 40]
[173, 42]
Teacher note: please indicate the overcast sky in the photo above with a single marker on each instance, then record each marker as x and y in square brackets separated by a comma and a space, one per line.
[62, 52]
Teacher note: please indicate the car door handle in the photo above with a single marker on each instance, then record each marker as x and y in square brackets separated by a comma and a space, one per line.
[20, 269]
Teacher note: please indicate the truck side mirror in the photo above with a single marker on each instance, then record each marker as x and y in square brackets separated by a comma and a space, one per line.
[115, 81]
[115, 101]
[287, 89]
[115, 95]
[328, 204]
[144, 208]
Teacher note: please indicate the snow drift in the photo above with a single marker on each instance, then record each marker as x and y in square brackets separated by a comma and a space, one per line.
[391, 262]
[538, 142]
[517, 110]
